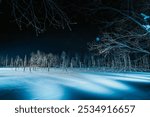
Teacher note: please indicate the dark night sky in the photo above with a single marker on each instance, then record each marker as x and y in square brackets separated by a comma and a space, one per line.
[51, 41]
[13, 41]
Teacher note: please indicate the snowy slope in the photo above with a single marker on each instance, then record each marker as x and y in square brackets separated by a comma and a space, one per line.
[77, 84]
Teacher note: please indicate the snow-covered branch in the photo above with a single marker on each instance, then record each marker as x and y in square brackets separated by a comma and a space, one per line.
[38, 14]
[125, 40]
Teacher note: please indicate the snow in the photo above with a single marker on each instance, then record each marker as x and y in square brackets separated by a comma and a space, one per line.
[145, 17]
[147, 27]
[60, 84]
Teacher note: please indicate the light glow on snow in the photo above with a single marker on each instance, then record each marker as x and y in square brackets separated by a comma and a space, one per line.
[55, 84]
[110, 83]
[46, 91]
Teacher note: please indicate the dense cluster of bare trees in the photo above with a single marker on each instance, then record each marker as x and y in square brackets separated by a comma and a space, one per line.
[115, 60]
[125, 42]
[42, 60]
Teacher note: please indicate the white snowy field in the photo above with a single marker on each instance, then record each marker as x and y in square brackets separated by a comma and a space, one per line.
[72, 84]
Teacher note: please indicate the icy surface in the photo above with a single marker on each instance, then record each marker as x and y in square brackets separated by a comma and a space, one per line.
[72, 84]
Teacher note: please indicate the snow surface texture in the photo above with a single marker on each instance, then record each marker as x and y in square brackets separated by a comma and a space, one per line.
[59, 84]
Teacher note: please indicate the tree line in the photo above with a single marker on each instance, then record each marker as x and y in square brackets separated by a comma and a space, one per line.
[44, 60]
[113, 61]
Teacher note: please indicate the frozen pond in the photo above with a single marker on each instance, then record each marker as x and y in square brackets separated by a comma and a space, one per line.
[72, 85]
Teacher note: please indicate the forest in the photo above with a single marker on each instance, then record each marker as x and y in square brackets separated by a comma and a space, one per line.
[122, 42]
[113, 62]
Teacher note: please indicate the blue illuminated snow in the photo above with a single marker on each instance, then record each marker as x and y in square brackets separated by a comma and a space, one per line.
[147, 27]
[145, 17]
[60, 84]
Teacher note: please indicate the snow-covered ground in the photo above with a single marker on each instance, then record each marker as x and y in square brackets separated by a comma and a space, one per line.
[73, 84]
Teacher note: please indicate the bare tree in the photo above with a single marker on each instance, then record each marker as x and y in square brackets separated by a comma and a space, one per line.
[12, 62]
[25, 63]
[38, 14]
[125, 41]
[6, 61]
[33, 61]
[50, 60]
[63, 58]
